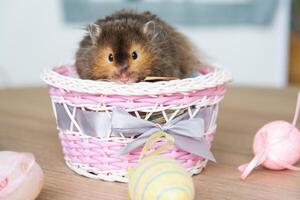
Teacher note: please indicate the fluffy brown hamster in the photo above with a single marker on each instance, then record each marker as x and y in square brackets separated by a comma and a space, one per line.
[128, 46]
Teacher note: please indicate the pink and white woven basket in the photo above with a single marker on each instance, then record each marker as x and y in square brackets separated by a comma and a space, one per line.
[94, 155]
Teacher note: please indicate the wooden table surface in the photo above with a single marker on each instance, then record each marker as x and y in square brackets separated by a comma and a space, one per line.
[27, 124]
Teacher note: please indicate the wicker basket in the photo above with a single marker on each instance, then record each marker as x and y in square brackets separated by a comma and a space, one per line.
[83, 110]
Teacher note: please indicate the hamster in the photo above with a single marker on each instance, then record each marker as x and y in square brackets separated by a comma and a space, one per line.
[128, 46]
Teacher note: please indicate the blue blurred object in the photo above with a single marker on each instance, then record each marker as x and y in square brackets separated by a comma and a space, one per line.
[182, 12]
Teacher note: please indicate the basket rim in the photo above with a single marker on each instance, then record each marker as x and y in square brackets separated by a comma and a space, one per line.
[212, 79]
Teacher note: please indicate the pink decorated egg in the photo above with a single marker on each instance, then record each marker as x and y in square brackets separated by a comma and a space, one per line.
[276, 146]
[21, 178]
[280, 141]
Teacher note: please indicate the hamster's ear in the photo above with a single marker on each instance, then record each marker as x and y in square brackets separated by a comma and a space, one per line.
[94, 31]
[153, 31]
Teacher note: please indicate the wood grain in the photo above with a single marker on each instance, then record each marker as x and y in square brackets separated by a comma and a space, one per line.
[27, 124]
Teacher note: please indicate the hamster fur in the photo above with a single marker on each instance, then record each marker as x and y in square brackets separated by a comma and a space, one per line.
[128, 46]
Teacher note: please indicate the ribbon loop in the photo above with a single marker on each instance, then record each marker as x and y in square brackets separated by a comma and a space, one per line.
[154, 138]
[188, 133]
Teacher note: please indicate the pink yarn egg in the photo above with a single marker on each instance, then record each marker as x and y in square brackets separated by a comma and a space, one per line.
[276, 146]
[280, 142]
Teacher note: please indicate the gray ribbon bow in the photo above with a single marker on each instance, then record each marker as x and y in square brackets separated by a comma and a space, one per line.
[188, 133]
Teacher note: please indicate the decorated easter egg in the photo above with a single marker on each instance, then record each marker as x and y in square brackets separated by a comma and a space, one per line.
[280, 141]
[161, 178]
[21, 178]
[276, 146]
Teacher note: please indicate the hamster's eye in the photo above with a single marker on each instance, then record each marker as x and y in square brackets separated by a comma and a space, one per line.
[110, 57]
[134, 55]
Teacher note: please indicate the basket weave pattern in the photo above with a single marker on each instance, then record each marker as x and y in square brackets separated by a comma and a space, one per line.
[95, 157]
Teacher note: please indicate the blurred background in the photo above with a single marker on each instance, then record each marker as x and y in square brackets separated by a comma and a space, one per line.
[257, 40]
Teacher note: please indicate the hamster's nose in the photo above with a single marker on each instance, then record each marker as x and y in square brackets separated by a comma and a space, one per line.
[122, 67]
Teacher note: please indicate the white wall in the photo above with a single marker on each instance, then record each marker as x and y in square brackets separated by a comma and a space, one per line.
[33, 36]
[255, 55]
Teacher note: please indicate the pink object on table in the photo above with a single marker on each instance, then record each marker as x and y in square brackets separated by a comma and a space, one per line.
[276, 146]
[90, 146]
[20, 176]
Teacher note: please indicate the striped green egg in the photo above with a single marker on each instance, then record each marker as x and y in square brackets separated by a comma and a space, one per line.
[160, 178]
